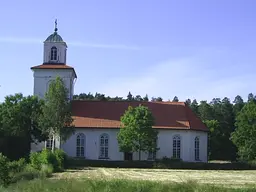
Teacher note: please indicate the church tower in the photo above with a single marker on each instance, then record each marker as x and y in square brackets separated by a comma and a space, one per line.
[54, 64]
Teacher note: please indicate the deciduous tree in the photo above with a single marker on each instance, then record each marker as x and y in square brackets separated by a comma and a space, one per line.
[19, 123]
[136, 133]
[56, 119]
[244, 137]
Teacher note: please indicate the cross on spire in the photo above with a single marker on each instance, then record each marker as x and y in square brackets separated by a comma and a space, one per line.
[56, 29]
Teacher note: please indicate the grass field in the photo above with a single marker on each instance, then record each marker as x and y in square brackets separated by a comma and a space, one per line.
[140, 180]
[234, 179]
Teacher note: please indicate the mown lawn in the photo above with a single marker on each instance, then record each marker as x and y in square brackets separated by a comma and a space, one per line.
[234, 179]
[141, 180]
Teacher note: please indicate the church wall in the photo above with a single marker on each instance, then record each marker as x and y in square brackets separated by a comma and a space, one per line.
[43, 77]
[92, 148]
[203, 145]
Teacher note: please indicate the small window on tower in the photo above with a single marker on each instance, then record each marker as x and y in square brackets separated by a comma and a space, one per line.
[53, 53]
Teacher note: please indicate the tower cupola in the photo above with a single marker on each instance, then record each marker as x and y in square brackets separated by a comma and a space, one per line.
[55, 49]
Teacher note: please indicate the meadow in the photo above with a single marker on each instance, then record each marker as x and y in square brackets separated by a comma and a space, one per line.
[115, 179]
[221, 177]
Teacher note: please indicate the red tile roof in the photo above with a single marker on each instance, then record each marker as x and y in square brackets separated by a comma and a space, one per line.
[53, 66]
[106, 114]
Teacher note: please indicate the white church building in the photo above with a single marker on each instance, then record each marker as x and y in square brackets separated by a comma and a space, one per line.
[181, 134]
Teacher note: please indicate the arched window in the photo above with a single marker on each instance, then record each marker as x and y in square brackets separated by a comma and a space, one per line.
[197, 149]
[176, 147]
[53, 53]
[104, 141]
[80, 143]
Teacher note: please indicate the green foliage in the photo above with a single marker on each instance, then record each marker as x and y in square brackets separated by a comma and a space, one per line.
[61, 159]
[35, 160]
[14, 171]
[219, 117]
[30, 173]
[238, 104]
[4, 170]
[55, 159]
[244, 136]
[102, 97]
[137, 134]
[19, 116]
[56, 112]
[17, 166]
[47, 157]
[19, 124]
[194, 106]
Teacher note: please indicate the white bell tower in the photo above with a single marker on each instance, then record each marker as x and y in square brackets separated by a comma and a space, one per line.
[54, 64]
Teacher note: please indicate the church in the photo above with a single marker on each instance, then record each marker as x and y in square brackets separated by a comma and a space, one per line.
[181, 134]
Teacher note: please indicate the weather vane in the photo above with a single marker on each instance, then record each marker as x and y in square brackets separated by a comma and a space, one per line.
[56, 29]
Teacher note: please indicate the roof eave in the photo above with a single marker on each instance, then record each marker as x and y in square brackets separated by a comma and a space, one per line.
[38, 68]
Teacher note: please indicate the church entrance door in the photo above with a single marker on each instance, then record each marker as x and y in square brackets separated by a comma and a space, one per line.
[128, 156]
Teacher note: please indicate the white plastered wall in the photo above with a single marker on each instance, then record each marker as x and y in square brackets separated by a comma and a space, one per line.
[165, 143]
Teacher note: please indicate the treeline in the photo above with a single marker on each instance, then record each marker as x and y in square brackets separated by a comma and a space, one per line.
[218, 114]
[130, 97]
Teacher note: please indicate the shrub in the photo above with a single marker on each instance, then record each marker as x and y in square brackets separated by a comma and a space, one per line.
[4, 170]
[30, 173]
[34, 159]
[47, 157]
[61, 159]
[56, 159]
[17, 166]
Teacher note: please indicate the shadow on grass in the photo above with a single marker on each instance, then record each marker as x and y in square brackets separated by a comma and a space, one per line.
[75, 169]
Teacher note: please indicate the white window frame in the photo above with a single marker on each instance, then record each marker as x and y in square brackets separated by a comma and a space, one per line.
[104, 146]
[197, 148]
[176, 151]
[80, 145]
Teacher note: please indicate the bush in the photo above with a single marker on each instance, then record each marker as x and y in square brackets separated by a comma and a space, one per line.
[17, 166]
[56, 159]
[61, 159]
[35, 160]
[48, 158]
[4, 170]
[30, 173]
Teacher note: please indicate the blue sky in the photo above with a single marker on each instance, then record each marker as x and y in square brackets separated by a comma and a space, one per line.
[192, 49]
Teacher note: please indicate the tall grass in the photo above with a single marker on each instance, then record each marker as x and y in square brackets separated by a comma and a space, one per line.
[114, 186]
